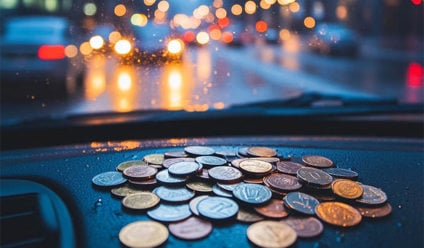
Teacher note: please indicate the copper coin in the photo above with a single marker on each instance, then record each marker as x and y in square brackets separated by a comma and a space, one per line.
[248, 216]
[305, 227]
[268, 233]
[288, 167]
[274, 209]
[338, 213]
[149, 182]
[199, 150]
[193, 204]
[372, 196]
[255, 167]
[342, 173]
[375, 212]
[255, 180]
[301, 202]
[140, 172]
[122, 166]
[142, 234]
[314, 177]
[282, 182]
[191, 229]
[156, 158]
[347, 189]
[225, 174]
[261, 151]
[317, 161]
[140, 201]
[168, 162]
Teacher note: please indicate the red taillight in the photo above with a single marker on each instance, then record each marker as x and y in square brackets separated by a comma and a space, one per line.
[51, 52]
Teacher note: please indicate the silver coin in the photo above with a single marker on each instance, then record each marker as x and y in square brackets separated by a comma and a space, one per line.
[228, 187]
[314, 177]
[217, 208]
[193, 204]
[254, 194]
[301, 202]
[211, 161]
[221, 192]
[170, 213]
[225, 174]
[174, 195]
[164, 177]
[182, 169]
[199, 150]
[109, 179]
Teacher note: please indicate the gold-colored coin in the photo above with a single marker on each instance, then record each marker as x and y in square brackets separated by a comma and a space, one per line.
[248, 216]
[140, 201]
[154, 159]
[142, 234]
[122, 166]
[199, 186]
[254, 166]
[347, 189]
[338, 213]
[125, 190]
[271, 234]
[261, 151]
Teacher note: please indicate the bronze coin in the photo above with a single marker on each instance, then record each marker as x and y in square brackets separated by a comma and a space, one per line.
[191, 229]
[140, 201]
[372, 196]
[156, 159]
[314, 177]
[148, 182]
[288, 167]
[225, 174]
[305, 227]
[282, 182]
[347, 189]
[375, 212]
[274, 209]
[140, 172]
[142, 234]
[248, 216]
[255, 167]
[338, 213]
[122, 166]
[261, 151]
[317, 161]
[268, 233]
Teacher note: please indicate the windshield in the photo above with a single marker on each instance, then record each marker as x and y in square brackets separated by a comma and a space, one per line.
[100, 56]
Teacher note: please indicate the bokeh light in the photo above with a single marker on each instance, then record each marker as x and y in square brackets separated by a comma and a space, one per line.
[309, 22]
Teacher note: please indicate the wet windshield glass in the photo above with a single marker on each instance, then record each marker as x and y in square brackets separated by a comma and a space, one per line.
[64, 57]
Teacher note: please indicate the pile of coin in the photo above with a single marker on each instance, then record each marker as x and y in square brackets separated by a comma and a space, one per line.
[185, 192]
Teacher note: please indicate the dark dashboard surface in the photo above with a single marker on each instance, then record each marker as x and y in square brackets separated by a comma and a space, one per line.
[394, 165]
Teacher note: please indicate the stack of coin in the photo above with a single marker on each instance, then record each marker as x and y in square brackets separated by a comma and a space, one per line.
[193, 188]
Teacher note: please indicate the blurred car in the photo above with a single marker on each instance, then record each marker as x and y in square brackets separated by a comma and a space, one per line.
[334, 39]
[151, 43]
[37, 53]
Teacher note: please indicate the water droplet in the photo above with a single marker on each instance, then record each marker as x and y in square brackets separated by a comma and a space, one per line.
[134, 157]
[98, 203]
[399, 206]
[399, 224]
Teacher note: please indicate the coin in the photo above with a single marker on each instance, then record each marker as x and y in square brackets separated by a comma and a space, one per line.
[305, 227]
[255, 180]
[168, 162]
[199, 150]
[372, 196]
[282, 182]
[199, 186]
[164, 178]
[255, 167]
[314, 177]
[169, 213]
[156, 159]
[108, 179]
[268, 233]
[221, 192]
[149, 182]
[125, 190]
[122, 166]
[193, 204]
[317, 161]
[228, 187]
[210, 161]
[254, 194]
[182, 169]
[175, 154]
[174, 195]
[260, 151]
[140, 201]
[375, 212]
[338, 213]
[271, 160]
[274, 209]
[191, 229]
[225, 174]
[342, 173]
[142, 234]
[140, 172]
[288, 167]
[236, 162]
[242, 152]
[301, 202]
[347, 189]
[217, 208]
[226, 154]
[248, 216]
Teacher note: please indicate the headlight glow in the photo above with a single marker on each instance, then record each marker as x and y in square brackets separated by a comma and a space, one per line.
[123, 47]
[175, 46]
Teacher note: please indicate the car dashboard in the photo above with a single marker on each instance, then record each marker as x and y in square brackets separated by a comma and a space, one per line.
[49, 198]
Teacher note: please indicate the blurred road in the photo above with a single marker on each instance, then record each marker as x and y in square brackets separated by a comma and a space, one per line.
[217, 76]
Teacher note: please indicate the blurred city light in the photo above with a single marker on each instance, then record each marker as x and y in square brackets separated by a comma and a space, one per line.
[120, 10]
[96, 42]
[123, 47]
[90, 9]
